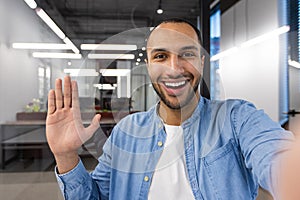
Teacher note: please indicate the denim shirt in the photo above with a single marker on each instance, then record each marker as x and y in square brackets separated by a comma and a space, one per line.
[231, 149]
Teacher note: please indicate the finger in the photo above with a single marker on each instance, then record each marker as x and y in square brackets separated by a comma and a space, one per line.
[67, 92]
[51, 102]
[75, 98]
[91, 129]
[58, 94]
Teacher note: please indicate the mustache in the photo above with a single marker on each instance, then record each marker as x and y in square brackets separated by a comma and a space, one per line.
[176, 76]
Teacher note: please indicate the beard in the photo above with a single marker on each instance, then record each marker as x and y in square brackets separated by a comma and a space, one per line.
[177, 106]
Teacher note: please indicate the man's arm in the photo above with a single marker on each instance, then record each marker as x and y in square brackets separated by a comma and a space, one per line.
[289, 174]
[263, 144]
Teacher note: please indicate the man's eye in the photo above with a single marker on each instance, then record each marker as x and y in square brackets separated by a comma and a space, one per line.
[188, 54]
[160, 56]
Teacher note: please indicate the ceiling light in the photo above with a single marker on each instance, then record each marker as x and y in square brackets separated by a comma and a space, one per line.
[294, 64]
[141, 54]
[31, 3]
[81, 72]
[223, 54]
[71, 45]
[43, 15]
[139, 60]
[144, 48]
[115, 72]
[40, 46]
[159, 9]
[105, 86]
[111, 56]
[213, 4]
[256, 40]
[126, 47]
[56, 55]
[266, 36]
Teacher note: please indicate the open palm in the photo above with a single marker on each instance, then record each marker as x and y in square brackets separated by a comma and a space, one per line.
[64, 129]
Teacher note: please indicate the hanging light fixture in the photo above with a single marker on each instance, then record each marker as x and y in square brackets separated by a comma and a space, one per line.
[159, 9]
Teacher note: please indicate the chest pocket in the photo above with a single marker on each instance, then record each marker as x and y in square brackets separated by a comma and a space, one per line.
[225, 174]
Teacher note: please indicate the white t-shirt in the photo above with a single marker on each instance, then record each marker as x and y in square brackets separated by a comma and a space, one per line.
[170, 179]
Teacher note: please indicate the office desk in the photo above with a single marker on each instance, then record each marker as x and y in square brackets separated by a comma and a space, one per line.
[18, 136]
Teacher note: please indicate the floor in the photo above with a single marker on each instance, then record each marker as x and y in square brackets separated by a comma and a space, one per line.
[32, 185]
[29, 186]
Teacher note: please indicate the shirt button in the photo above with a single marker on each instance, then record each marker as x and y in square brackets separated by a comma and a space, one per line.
[146, 178]
[159, 143]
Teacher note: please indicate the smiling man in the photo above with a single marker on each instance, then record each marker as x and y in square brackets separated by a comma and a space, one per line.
[185, 147]
[175, 69]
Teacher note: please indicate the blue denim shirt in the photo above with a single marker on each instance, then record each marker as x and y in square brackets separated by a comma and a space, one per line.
[230, 148]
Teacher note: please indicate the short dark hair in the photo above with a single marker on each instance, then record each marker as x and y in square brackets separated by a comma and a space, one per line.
[179, 20]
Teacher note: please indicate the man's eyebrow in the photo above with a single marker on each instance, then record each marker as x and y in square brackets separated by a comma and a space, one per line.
[192, 47]
[158, 50]
[189, 48]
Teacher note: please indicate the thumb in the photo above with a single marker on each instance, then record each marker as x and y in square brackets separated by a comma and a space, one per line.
[91, 129]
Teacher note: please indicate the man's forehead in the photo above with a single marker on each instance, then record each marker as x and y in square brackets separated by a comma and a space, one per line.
[173, 34]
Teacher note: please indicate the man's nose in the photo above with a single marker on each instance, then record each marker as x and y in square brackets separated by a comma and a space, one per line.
[175, 63]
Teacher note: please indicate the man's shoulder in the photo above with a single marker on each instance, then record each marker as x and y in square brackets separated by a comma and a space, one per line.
[229, 104]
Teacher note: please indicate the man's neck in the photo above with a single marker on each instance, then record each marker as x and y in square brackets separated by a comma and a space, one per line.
[177, 116]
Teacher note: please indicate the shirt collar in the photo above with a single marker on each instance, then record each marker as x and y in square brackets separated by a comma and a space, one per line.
[194, 117]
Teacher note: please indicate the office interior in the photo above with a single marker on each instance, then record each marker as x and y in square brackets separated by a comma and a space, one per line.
[252, 53]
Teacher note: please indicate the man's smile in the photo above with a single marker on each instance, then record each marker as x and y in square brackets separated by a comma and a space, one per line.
[175, 87]
[175, 84]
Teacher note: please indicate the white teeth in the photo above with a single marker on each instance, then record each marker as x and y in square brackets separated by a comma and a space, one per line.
[174, 84]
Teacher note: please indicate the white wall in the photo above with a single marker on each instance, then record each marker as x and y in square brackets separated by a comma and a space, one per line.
[251, 73]
[18, 70]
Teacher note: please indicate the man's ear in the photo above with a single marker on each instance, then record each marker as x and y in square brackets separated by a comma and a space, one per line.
[202, 60]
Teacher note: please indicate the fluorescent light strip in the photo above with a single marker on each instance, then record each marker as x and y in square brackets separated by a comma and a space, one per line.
[125, 47]
[111, 56]
[115, 72]
[294, 64]
[256, 40]
[56, 55]
[81, 72]
[31, 3]
[266, 36]
[71, 45]
[105, 86]
[224, 54]
[43, 15]
[213, 4]
[40, 46]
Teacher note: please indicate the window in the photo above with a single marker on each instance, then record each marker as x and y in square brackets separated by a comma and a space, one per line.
[215, 35]
[294, 21]
[44, 84]
[294, 56]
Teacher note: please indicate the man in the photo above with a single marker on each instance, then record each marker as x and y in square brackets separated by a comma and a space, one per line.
[185, 147]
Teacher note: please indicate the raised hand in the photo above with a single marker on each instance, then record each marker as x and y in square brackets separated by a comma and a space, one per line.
[64, 129]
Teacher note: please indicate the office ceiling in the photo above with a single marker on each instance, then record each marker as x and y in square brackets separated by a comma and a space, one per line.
[92, 21]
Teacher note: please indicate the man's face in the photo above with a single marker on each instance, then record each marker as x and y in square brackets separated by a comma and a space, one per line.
[174, 63]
